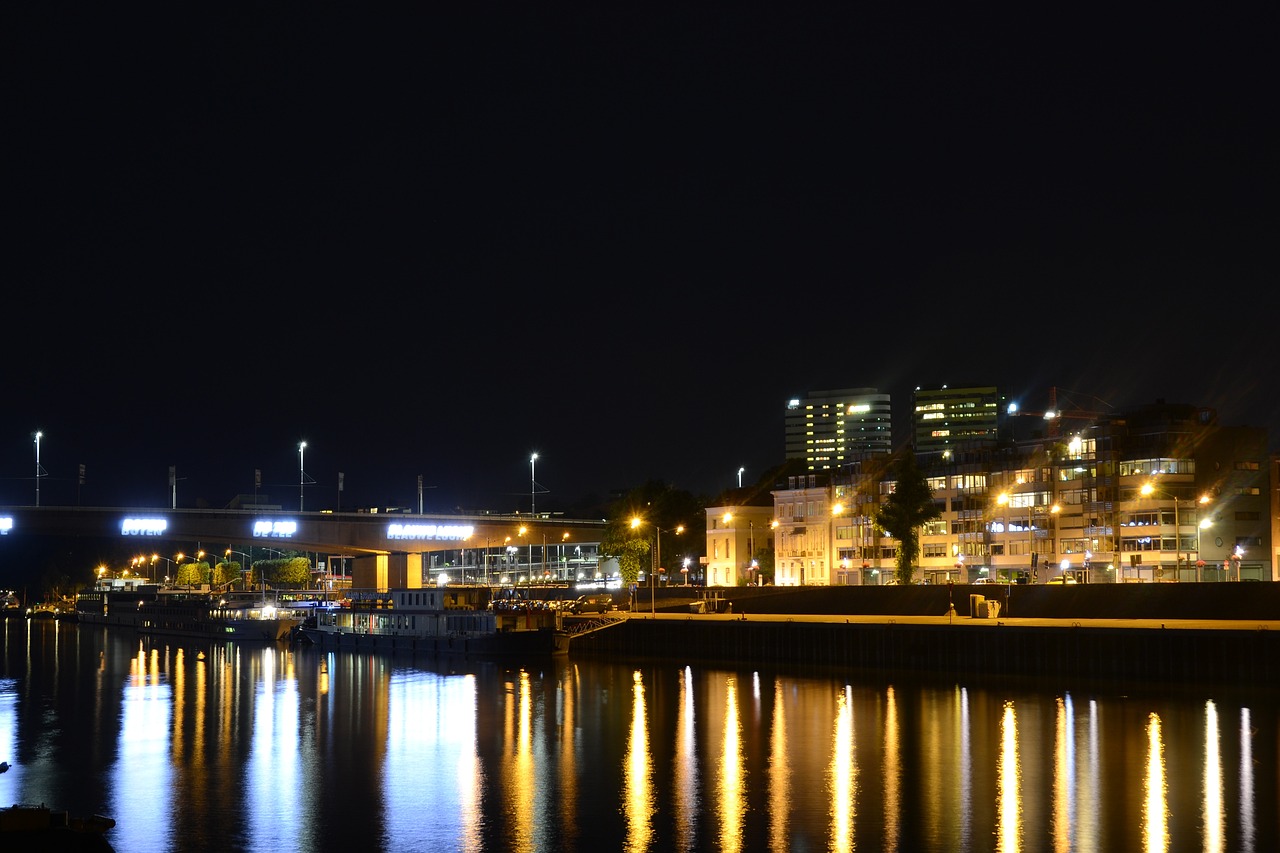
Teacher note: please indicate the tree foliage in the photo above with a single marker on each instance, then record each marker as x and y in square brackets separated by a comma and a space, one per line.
[903, 512]
[633, 522]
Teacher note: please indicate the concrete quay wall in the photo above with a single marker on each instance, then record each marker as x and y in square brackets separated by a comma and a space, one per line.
[1245, 656]
[1047, 634]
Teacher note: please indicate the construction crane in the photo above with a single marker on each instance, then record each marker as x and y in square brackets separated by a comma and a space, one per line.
[1054, 416]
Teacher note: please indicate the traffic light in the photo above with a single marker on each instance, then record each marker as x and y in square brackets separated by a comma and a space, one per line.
[1035, 558]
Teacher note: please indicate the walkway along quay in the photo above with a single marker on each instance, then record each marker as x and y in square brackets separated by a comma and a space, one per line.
[1223, 633]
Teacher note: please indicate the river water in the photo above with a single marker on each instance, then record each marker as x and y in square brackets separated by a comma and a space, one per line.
[240, 747]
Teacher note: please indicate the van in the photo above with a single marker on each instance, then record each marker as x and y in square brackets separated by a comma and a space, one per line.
[599, 603]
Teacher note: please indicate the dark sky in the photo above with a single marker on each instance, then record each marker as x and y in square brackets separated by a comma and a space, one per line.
[434, 244]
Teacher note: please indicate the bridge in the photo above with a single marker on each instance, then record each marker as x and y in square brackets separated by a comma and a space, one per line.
[398, 540]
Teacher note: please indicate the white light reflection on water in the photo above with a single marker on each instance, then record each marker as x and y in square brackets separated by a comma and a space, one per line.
[686, 765]
[731, 787]
[1246, 782]
[143, 762]
[1008, 785]
[638, 794]
[779, 774]
[272, 777]
[840, 775]
[431, 764]
[1155, 814]
[1088, 832]
[1212, 814]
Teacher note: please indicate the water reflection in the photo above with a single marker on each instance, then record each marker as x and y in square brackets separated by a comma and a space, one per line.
[843, 785]
[1008, 791]
[1155, 811]
[639, 773]
[226, 747]
[686, 778]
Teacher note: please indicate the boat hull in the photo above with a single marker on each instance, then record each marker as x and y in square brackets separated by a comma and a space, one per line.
[208, 617]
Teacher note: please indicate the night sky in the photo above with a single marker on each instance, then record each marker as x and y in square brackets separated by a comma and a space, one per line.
[621, 238]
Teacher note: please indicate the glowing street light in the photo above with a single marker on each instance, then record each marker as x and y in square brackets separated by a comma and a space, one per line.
[248, 563]
[636, 522]
[302, 472]
[39, 470]
[533, 486]
[740, 472]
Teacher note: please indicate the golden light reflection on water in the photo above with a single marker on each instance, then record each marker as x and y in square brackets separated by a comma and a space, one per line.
[964, 766]
[1008, 785]
[842, 781]
[1063, 774]
[686, 764]
[731, 788]
[891, 781]
[1212, 813]
[904, 768]
[638, 805]
[1155, 815]
[567, 710]
[520, 778]
[779, 774]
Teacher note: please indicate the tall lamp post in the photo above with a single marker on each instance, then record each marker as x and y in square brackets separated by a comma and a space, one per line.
[38, 468]
[1205, 524]
[302, 472]
[155, 557]
[248, 564]
[1149, 489]
[657, 562]
[1005, 499]
[533, 486]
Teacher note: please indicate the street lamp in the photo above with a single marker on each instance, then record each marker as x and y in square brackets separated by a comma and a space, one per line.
[302, 472]
[1205, 524]
[155, 557]
[1149, 489]
[533, 487]
[740, 471]
[657, 562]
[198, 558]
[1005, 499]
[38, 468]
[248, 562]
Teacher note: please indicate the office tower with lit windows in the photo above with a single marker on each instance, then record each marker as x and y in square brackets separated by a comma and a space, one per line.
[828, 428]
[945, 418]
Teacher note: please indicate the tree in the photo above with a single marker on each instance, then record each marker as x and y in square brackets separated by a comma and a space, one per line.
[909, 506]
[295, 572]
[658, 506]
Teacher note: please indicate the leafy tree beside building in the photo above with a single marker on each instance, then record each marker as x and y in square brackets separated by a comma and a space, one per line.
[904, 511]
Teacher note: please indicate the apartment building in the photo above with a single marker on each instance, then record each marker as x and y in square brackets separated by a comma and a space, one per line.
[1161, 493]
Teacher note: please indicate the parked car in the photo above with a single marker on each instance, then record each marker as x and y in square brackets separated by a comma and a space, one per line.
[592, 604]
[1061, 579]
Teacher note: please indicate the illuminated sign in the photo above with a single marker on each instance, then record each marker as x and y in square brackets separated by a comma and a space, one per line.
[6, 524]
[143, 526]
[275, 529]
[429, 531]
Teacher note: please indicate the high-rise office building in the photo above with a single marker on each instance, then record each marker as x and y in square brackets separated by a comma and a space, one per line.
[946, 418]
[828, 428]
